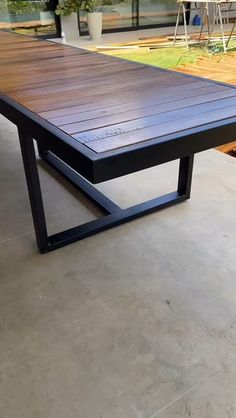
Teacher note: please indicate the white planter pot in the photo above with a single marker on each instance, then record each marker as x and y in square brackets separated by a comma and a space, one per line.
[94, 21]
[69, 27]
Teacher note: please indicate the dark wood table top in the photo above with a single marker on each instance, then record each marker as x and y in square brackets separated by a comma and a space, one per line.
[105, 104]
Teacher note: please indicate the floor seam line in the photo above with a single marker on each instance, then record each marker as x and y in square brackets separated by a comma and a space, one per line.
[184, 394]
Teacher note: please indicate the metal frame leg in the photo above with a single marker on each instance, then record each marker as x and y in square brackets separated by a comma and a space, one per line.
[208, 19]
[212, 26]
[231, 34]
[205, 16]
[114, 215]
[222, 27]
[202, 24]
[185, 175]
[177, 24]
[185, 26]
[34, 189]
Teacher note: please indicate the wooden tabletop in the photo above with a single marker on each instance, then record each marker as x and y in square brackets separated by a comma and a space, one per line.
[103, 102]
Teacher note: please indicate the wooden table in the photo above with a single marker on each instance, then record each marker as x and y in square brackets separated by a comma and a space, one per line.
[96, 118]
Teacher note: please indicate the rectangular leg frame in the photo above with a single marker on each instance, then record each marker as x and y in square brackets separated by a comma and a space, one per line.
[114, 215]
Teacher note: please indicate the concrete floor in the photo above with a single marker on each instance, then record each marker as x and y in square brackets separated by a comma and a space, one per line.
[132, 36]
[126, 36]
[136, 322]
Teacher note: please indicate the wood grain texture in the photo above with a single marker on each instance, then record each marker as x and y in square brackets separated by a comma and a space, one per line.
[103, 102]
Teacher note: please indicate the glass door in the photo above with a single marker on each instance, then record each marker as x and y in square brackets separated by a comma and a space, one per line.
[30, 17]
[116, 15]
[157, 12]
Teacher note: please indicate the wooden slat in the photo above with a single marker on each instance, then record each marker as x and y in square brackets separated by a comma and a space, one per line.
[75, 85]
[134, 137]
[92, 120]
[125, 90]
[48, 79]
[227, 147]
[214, 68]
[148, 121]
[164, 95]
[104, 102]
[133, 78]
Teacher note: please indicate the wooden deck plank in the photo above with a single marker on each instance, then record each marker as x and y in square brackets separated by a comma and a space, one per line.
[215, 68]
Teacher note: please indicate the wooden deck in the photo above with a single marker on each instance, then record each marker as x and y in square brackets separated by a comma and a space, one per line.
[219, 68]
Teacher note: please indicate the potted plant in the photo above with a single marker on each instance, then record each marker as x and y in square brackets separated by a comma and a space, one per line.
[68, 10]
[94, 19]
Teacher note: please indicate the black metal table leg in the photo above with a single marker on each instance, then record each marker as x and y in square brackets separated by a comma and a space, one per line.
[34, 189]
[185, 175]
[114, 214]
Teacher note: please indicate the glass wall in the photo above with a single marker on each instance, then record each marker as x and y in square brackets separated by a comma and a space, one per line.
[157, 12]
[31, 17]
[133, 14]
[117, 14]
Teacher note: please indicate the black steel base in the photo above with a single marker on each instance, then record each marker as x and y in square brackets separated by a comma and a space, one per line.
[114, 215]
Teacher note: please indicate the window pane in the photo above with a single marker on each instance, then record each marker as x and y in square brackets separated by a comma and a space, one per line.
[116, 14]
[31, 17]
[157, 12]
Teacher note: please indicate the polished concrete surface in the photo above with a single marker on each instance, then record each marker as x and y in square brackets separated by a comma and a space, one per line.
[136, 322]
[132, 36]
